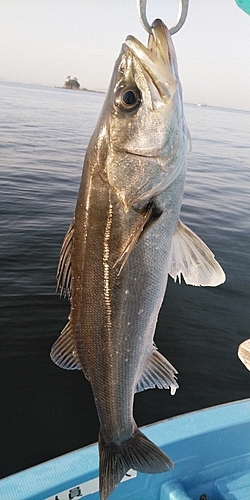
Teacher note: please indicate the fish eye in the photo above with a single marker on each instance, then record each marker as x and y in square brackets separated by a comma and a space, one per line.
[128, 98]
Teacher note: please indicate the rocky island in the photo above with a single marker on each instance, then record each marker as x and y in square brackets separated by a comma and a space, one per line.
[71, 83]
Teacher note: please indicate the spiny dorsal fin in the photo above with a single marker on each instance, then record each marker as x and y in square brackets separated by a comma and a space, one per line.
[63, 352]
[63, 274]
[192, 259]
[158, 372]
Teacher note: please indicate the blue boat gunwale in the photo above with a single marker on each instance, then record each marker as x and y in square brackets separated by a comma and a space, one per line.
[61, 473]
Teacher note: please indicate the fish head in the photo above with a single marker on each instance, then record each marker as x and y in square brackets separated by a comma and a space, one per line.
[143, 119]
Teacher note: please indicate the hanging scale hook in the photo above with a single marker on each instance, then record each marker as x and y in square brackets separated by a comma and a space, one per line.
[182, 14]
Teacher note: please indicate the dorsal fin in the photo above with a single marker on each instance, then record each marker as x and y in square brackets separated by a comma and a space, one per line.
[63, 352]
[192, 259]
[64, 266]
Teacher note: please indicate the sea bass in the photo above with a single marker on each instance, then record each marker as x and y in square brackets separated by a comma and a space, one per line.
[124, 240]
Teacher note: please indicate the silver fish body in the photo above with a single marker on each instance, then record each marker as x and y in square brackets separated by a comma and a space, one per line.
[120, 248]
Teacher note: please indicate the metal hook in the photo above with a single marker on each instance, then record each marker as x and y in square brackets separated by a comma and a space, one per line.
[182, 15]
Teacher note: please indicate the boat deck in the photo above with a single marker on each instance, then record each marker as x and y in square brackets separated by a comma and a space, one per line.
[210, 449]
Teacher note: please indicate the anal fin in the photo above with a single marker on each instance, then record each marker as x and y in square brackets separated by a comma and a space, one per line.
[192, 259]
[158, 372]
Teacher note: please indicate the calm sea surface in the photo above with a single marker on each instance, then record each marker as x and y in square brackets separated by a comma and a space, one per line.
[46, 411]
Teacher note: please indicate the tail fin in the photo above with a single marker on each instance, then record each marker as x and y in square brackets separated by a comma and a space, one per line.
[138, 453]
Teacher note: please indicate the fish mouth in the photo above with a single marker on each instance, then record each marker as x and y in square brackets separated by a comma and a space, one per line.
[157, 59]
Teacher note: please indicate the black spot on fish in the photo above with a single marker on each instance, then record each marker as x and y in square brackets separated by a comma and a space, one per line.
[151, 213]
[155, 211]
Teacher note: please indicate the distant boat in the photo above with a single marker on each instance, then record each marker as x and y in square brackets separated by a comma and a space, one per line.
[210, 450]
[202, 104]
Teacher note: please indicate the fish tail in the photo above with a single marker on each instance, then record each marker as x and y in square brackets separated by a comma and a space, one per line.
[137, 453]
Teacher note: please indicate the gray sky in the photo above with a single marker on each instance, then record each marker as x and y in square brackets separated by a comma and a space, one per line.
[44, 41]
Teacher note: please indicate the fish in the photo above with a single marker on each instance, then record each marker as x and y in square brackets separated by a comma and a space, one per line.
[124, 241]
[244, 353]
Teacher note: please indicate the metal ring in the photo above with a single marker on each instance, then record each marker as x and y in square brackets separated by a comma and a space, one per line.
[182, 15]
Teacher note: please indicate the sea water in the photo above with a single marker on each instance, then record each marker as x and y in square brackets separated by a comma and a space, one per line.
[47, 411]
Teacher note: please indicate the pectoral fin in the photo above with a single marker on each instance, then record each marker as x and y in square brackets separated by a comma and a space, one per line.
[158, 372]
[147, 213]
[192, 259]
[64, 266]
